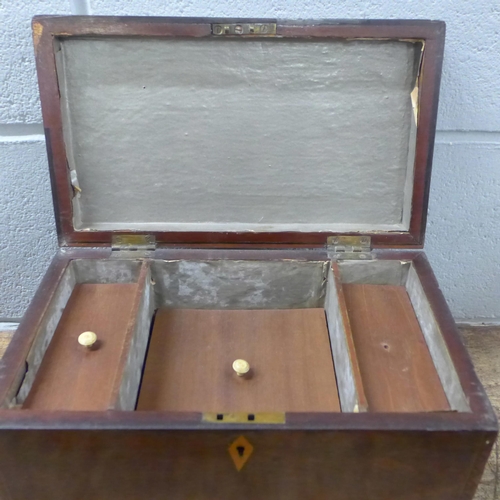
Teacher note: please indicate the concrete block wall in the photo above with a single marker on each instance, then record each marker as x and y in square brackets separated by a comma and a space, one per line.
[463, 235]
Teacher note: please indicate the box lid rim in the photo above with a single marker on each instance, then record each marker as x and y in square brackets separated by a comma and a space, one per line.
[46, 28]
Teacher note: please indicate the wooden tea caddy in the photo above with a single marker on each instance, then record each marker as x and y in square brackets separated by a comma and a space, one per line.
[227, 185]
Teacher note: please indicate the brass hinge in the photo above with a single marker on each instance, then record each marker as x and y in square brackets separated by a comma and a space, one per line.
[132, 245]
[349, 247]
[245, 29]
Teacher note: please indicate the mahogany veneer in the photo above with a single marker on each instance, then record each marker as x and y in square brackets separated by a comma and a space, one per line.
[188, 366]
[396, 367]
[72, 377]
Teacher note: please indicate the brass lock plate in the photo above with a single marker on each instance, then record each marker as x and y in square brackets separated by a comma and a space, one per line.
[245, 418]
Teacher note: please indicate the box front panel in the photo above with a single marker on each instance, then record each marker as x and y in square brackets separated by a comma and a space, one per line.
[215, 464]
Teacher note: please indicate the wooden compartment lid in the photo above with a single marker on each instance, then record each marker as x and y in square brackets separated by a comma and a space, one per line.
[165, 127]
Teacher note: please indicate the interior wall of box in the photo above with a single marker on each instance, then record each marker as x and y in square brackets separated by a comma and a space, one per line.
[226, 284]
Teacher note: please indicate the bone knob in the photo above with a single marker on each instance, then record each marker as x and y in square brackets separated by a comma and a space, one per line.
[241, 367]
[87, 339]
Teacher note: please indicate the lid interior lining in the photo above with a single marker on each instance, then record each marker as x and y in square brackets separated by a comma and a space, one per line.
[263, 135]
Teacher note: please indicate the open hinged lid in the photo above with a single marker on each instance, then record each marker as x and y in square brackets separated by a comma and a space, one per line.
[202, 131]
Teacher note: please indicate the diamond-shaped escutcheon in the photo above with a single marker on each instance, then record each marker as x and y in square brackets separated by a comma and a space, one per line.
[240, 451]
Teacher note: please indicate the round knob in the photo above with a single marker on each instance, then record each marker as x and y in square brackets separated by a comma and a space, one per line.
[240, 366]
[87, 339]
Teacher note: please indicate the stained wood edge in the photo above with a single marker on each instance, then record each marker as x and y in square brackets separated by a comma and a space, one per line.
[241, 240]
[481, 454]
[351, 349]
[47, 29]
[17, 419]
[428, 98]
[471, 386]
[118, 400]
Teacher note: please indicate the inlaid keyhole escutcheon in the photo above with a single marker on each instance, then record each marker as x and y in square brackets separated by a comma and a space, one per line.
[240, 451]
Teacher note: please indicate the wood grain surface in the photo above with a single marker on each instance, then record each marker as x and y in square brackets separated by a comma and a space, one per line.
[189, 362]
[72, 377]
[396, 367]
[189, 464]
[483, 343]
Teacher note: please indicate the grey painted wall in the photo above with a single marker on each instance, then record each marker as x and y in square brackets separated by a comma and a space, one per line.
[463, 233]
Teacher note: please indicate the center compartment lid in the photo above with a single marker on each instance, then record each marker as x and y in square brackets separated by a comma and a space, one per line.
[165, 127]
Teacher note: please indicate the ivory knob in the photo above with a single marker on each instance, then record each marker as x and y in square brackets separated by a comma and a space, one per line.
[241, 367]
[87, 339]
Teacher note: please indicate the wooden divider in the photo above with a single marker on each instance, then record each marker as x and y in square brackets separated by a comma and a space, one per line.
[362, 405]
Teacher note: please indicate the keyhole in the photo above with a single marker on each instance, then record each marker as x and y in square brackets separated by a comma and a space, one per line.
[241, 450]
